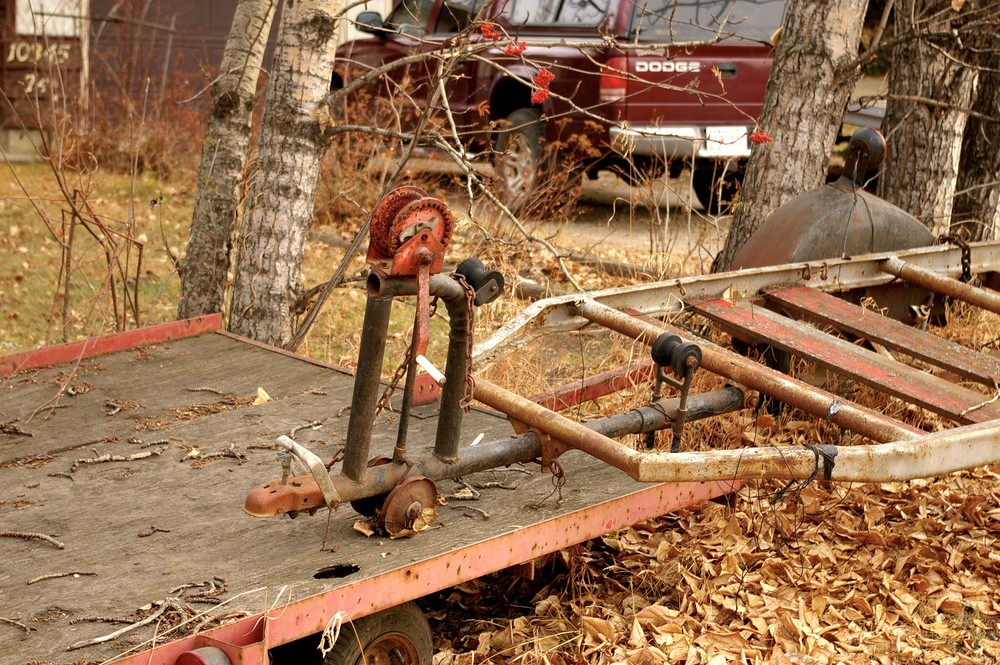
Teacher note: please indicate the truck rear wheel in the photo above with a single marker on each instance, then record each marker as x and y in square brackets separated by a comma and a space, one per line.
[716, 193]
[520, 155]
[397, 636]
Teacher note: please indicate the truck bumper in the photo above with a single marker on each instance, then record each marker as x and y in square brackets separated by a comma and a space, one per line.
[726, 142]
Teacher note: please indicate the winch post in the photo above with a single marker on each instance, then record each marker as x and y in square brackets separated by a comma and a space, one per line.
[366, 384]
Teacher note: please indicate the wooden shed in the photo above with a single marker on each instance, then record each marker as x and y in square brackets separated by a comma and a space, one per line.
[43, 64]
[107, 55]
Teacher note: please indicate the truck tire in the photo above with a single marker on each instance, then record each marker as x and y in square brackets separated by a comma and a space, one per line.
[520, 152]
[716, 194]
[397, 636]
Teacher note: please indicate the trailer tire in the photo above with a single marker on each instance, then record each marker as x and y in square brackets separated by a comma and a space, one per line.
[397, 636]
[520, 149]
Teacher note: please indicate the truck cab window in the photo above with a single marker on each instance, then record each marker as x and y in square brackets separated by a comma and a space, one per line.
[558, 12]
[410, 17]
[457, 15]
[704, 20]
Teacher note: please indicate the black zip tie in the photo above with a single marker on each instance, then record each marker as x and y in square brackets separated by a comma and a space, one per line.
[829, 455]
[824, 451]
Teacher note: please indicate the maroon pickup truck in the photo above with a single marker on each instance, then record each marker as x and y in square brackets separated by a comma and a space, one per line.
[650, 84]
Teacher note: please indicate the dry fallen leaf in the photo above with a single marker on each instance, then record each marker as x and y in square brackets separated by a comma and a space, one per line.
[364, 527]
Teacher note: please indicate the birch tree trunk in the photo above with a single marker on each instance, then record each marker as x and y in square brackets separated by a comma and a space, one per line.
[294, 136]
[205, 267]
[930, 89]
[977, 201]
[814, 72]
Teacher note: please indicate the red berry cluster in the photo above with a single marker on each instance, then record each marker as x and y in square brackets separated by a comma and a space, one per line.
[759, 136]
[542, 79]
[515, 48]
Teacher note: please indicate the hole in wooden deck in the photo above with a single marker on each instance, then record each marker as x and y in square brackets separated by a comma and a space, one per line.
[337, 571]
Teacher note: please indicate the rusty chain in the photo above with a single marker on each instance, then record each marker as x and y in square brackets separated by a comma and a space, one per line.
[402, 368]
[963, 244]
[470, 383]
[470, 319]
[558, 481]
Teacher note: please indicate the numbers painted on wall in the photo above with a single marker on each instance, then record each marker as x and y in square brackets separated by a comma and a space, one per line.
[33, 52]
[35, 85]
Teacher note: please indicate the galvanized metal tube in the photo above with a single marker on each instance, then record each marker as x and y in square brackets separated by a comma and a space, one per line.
[985, 298]
[402, 428]
[754, 375]
[663, 412]
[449, 427]
[366, 382]
[930, 455]
[442, 286]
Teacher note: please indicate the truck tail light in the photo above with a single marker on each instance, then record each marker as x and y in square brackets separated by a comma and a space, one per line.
[614, 82]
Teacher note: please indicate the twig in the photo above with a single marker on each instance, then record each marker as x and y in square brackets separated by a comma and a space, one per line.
[152, 530]
[52, 576]
[996, 396]
[148, 444]
[97, 619]
[117, 405]
[218, 454]
[11, 429]
[32, 536]
[473, 492]
[216, 586]
[62, 474]
[169, 603]
[499, 484]
[108, 457]
[482, 512]
[311, 424]
[17, 624]
[205, 389]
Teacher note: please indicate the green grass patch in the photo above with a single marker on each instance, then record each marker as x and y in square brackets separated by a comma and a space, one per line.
[84, 254]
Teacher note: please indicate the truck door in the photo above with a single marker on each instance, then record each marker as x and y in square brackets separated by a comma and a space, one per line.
[454, 17]
[712, 81]
[396, 96]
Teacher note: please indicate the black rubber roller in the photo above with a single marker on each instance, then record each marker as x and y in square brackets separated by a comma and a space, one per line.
[866, 152]
[671, 351]
[488, 284]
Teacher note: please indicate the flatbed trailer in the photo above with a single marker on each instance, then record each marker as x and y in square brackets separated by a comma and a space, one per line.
[125, 472]
[135, 531]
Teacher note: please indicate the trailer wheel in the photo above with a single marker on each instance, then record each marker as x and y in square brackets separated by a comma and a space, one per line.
[520, 151]
[397, 636]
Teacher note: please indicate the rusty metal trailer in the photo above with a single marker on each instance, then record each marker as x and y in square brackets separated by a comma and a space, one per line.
[135, 532]
[163, 519]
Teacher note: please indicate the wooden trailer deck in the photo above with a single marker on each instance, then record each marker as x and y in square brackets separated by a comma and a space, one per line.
[137, 531]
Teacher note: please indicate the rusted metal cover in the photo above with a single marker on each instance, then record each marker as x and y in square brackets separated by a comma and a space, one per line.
[837, 220]
[841, 220]
[41, 58]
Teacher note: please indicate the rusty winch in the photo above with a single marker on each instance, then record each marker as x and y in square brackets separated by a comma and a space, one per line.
[409, 234]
